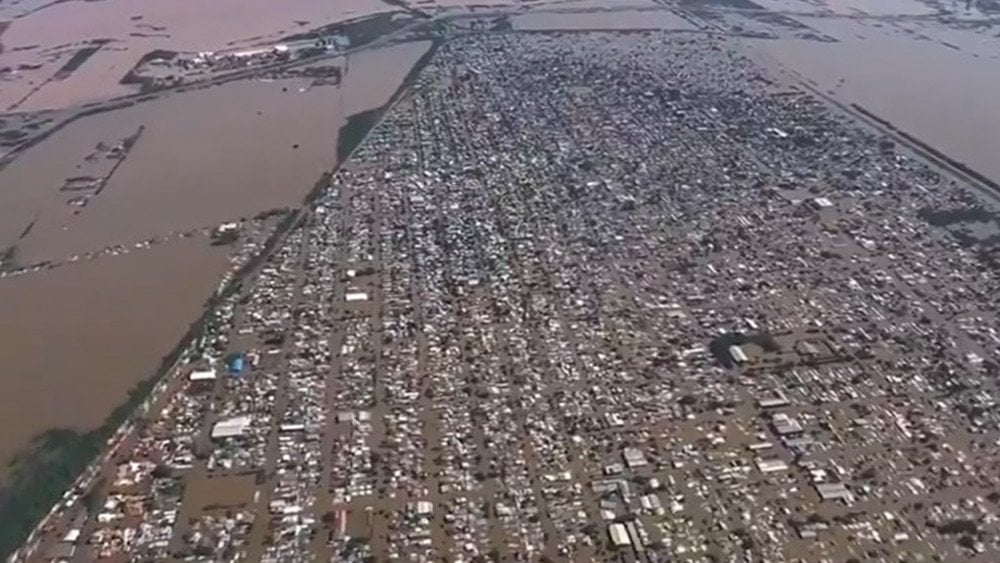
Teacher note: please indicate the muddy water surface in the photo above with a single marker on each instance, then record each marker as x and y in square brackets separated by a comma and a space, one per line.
[934, 82]
[373, 76]
[137, 27]
[203, 157]
[76, 339]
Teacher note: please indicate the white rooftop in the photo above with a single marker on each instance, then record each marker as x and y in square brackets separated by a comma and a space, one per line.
[230, 427]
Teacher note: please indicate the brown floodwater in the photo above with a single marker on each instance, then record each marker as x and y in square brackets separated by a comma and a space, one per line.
[373, 76]
[181, 25]
[933, 81]
[31, 184]
[97, 78]
[202, 491]
[76, 339]
[204, 157]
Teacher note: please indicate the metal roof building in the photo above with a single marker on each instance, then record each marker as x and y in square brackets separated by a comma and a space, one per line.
[231, 427]
[619, 535]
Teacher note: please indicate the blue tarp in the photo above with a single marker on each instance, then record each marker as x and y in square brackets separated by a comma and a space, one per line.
[236, 364]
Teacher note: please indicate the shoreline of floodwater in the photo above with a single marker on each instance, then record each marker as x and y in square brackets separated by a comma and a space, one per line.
[369, 40]
[58, 457]
[353, 133]
[925, 150]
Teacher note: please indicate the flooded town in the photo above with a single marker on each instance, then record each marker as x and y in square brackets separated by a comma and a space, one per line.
[654, 281]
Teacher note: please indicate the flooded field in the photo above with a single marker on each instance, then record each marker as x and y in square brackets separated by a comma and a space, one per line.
[923, 69]
[203, 157]
[76, 339]
[49, 33]
[927, 77]
[372, 77]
